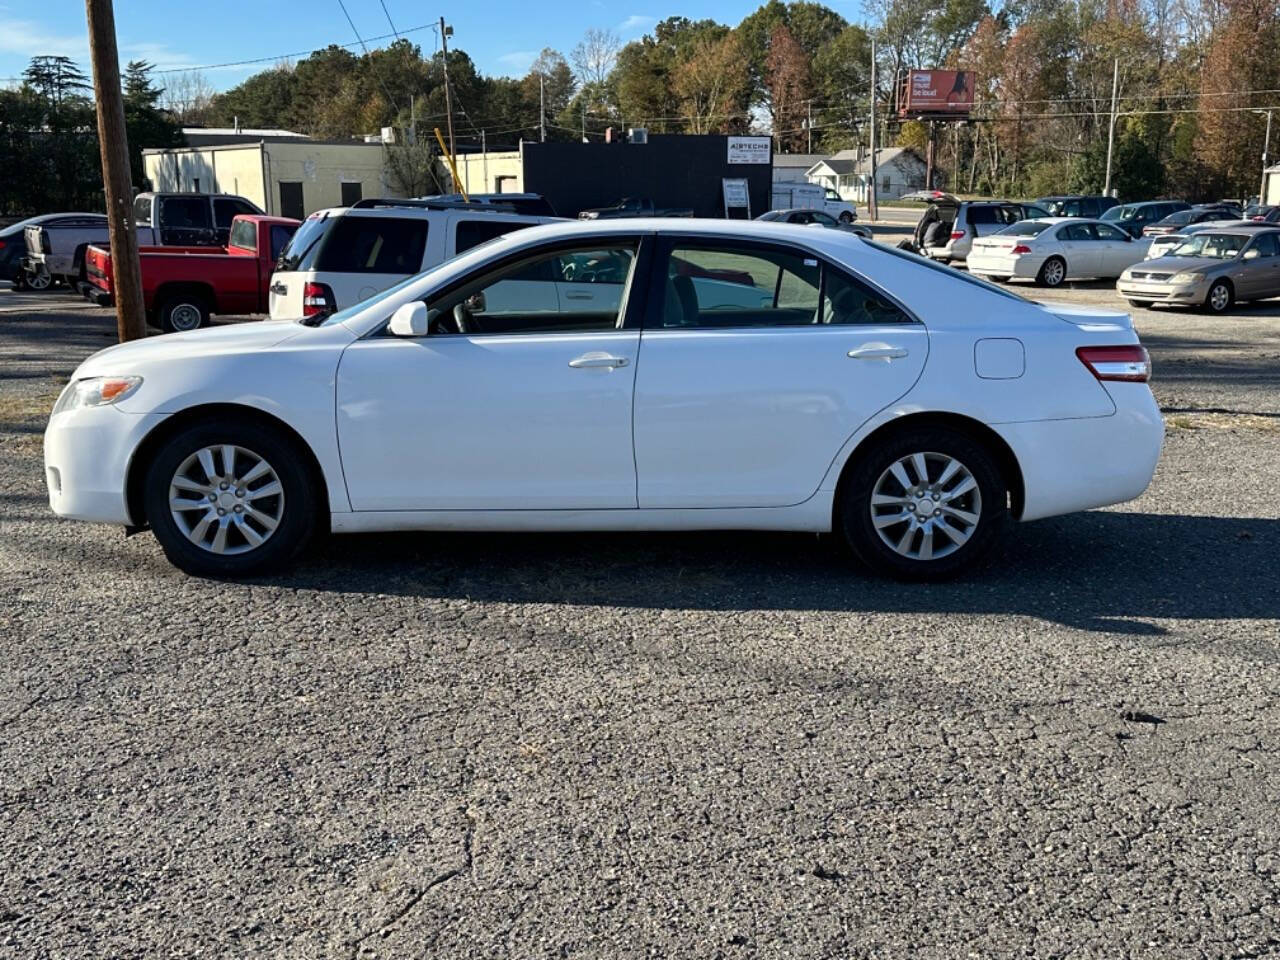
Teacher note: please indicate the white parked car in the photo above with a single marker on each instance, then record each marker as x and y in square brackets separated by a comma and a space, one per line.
[1051, 250]
[846, 386]
[343, 255]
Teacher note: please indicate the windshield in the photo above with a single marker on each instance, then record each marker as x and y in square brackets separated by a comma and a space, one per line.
[1119, 213]
[1025, 228]
[1212, 246]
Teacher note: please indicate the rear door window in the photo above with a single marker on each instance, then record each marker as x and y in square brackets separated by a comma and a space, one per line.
[358, 244]
[976, 214]
[472, 233]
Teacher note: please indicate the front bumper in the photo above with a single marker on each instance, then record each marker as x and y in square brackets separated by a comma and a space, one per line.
[87, 453]
[1070, 465]
[1160, 290]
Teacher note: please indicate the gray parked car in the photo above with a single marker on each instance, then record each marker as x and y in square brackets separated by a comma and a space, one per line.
[949, 226]
[1213, 269]
[816, 218]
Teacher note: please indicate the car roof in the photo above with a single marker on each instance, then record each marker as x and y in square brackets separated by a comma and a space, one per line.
[1241, 231]
[488, 211]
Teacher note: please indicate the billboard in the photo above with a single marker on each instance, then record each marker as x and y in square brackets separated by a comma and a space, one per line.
[936, 93]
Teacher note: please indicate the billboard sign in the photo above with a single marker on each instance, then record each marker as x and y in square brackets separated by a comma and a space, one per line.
[936, 93]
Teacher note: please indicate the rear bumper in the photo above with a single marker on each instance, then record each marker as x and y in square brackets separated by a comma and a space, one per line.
[1004, 266]
[1070, 465]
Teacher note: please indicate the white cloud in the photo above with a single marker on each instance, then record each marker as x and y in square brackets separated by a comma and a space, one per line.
[27, 38]
[636, 23]
[519, 60]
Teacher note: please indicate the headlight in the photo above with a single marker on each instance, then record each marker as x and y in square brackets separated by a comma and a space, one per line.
[1183, 279]
[96, 392]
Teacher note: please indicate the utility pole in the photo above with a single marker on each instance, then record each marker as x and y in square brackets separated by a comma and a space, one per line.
[448, 102]
[117, 181]
[872, 206]
[484, 161]
[1266, 149]
[542, 108]
[1111, 133]
[809, 126]
[584, 121]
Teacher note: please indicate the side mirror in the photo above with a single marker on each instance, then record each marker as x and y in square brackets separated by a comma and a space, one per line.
[409, 320]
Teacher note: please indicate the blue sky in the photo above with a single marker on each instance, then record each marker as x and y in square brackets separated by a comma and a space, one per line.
[502, 36]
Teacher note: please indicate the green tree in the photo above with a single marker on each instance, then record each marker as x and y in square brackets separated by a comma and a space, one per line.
[146, 125]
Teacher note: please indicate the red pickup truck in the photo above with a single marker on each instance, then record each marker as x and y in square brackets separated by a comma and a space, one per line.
[183, 286]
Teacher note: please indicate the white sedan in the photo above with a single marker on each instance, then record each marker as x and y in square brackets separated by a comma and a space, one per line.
[1054, 249]
[847, 387]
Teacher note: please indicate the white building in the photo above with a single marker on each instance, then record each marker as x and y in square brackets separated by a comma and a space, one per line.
[1272, 192]
[899, 171]
[794, 167]
[286, 174]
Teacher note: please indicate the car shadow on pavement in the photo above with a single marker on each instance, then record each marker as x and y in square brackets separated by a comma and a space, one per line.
[1100, 570]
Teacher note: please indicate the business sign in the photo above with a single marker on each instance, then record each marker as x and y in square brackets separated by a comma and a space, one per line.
[750, 150]
[936, 93]
[736, 197]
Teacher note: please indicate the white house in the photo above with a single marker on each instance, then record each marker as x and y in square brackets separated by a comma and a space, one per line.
[1272, 193]
[794, 167]
[899, 171]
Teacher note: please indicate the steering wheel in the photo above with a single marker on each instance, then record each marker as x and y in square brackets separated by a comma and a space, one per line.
[460, 318]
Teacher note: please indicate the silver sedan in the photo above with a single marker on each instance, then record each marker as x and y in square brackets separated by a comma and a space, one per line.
[1213, 269]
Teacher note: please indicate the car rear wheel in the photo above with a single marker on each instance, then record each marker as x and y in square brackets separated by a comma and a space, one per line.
[1053, 272]
[1140, 304]
[39, 281]
[925, 504]
[229, 500]
[183, 313]
[1220, 297]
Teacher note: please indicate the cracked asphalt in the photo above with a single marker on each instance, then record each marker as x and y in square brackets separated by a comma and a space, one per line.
[717, 746]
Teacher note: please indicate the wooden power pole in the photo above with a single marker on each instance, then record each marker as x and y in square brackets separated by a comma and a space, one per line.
[117, 181]
[448, 100]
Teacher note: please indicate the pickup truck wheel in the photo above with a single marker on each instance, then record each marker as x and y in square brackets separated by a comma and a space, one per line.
[183, 313]
[846, 217]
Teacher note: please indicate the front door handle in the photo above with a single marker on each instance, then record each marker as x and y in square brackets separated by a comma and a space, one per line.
[596, 360]
[578, 295]
[878, 351]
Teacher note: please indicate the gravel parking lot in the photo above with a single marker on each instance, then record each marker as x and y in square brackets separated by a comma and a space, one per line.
[722, 745]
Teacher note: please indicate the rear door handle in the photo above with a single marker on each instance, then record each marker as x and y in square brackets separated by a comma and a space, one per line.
[579, 295]
[878, 351]
[595, 360]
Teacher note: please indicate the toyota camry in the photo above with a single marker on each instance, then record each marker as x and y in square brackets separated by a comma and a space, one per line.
[621, 375]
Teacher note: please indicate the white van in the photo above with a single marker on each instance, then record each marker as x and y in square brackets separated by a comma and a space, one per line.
[343, 255]
[812, 196]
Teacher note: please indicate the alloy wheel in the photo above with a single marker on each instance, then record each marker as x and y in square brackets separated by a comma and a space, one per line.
[926, 505]
[1054, 272]
[185, 316]
[226, 499]
[39, 281]
[1220, 297]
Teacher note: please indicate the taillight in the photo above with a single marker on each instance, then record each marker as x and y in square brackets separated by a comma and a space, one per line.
[317, 300]
[1021, 248]
[1, 244]
[1130, 363]
[957, 234]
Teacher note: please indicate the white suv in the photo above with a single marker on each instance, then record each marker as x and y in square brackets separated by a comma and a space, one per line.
[343, 255]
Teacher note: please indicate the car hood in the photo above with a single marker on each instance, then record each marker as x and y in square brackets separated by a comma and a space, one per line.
[127, 358]
[1183, 264]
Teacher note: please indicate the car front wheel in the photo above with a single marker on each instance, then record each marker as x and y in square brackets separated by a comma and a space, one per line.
[926, 504]
[1219, 298]
[229, 500]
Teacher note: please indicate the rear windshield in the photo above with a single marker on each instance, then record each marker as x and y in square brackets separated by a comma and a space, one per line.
[300, 252]
[373, 245]
[244, 234]
[957, 275]
[1025, 228]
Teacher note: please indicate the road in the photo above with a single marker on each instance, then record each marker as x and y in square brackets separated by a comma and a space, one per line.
[723, 745]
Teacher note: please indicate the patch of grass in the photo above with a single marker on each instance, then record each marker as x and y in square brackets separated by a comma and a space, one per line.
[1222, 421]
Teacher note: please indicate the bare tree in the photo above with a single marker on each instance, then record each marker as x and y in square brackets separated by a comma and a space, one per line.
[414, 168]
[187, 97]
[596, 55]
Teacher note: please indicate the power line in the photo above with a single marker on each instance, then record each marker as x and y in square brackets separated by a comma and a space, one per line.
[392, 25]
[390, 98]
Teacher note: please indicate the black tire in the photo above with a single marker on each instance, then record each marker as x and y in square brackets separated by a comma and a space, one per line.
[1052, 276]
[39, 282]
[846, 216]
[1220, 298]
[178, 314]
[1140, 304]
[855, 512]
[297, 507]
